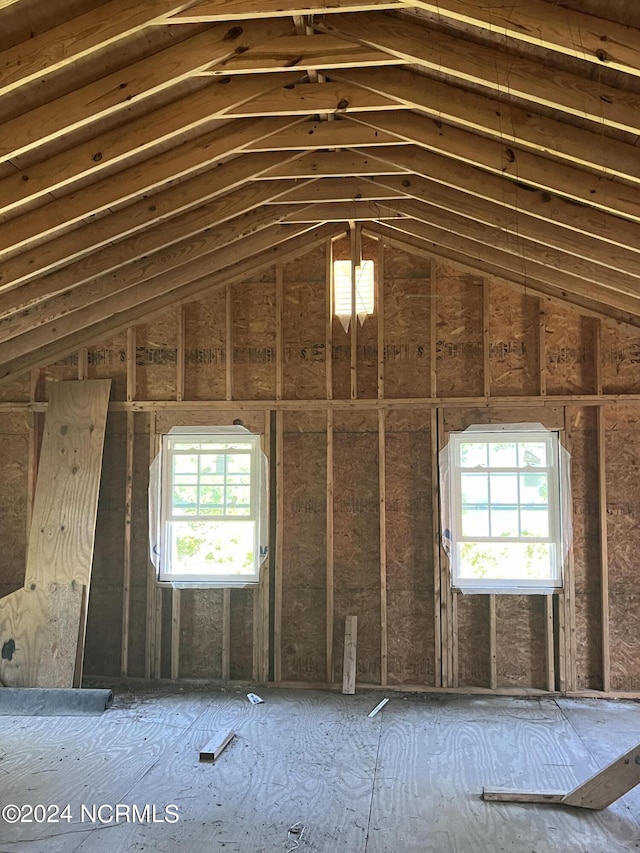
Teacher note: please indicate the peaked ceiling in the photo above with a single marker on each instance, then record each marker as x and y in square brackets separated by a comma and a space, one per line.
[152, 149]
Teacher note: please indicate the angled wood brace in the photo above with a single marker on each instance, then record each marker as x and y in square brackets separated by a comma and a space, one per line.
[598, 792]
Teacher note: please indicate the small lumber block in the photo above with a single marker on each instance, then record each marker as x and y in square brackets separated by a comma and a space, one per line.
[349, 661]
[520, 797]
[215, 746]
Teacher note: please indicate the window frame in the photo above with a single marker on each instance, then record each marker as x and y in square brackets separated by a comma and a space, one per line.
[555, 503]
[168, 517]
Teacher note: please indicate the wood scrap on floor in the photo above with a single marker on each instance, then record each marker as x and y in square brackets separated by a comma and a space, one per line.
[215, 747]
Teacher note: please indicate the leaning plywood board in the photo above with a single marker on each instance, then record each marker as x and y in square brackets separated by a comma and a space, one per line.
[39, 634]
[42, 625]
[598, 792]
[66, 500]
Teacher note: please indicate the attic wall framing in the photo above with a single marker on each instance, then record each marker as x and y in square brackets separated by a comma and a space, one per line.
[356, 489]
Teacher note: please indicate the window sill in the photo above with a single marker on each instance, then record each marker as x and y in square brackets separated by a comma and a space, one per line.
[206, 584]
[506, 590]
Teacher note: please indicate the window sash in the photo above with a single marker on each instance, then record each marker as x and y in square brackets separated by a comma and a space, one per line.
[552, 506]
[226, 446]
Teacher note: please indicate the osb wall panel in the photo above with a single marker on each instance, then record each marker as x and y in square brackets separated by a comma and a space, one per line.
[513, 342]
[407, 312]
[16, 390]
[108, 360]
[569, 343]
[473, 640]
[104, 624]
[356, 551]
[241, 639]
[620, 346]
[14, 440]
[459, 352]
[156, 358]
[622, 447]
[254, 340]
[201, 633]
[205, 327]
[520, 641]
[341, 360]
[367, 358]
[586, 545]
[304, 312]
[409, 551]
[304, 575]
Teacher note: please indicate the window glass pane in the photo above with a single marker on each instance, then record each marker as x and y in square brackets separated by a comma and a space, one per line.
[504, 488]
[212, 498]
[238, 463]
[473, 454]
[533, 489]
[532, 454]
[238, 480]
[185, 500]
[212, 548]
[534, 521]
[504, 522]
[211, 463]
[185, 463]
[475, 522]
[502, 455]
[505, 561]
[474, 488]
[238, 500]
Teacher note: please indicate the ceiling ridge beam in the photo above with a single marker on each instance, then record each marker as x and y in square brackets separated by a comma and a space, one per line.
[493, 69]
[207, 11]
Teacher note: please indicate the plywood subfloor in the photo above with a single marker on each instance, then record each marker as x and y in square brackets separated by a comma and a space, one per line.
[407, 780]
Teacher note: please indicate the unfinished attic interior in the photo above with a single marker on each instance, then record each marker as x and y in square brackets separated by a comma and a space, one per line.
[362, 281]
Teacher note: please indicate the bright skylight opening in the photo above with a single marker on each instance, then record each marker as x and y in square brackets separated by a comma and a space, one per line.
[365, 289]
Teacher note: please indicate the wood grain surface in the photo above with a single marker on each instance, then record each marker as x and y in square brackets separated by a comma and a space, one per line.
[409, 779]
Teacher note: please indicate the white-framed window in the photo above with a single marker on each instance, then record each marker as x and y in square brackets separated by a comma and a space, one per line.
[504, 494]
[343, 291]
[210, 509]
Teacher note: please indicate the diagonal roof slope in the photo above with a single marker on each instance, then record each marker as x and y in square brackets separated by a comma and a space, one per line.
[150, 150]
